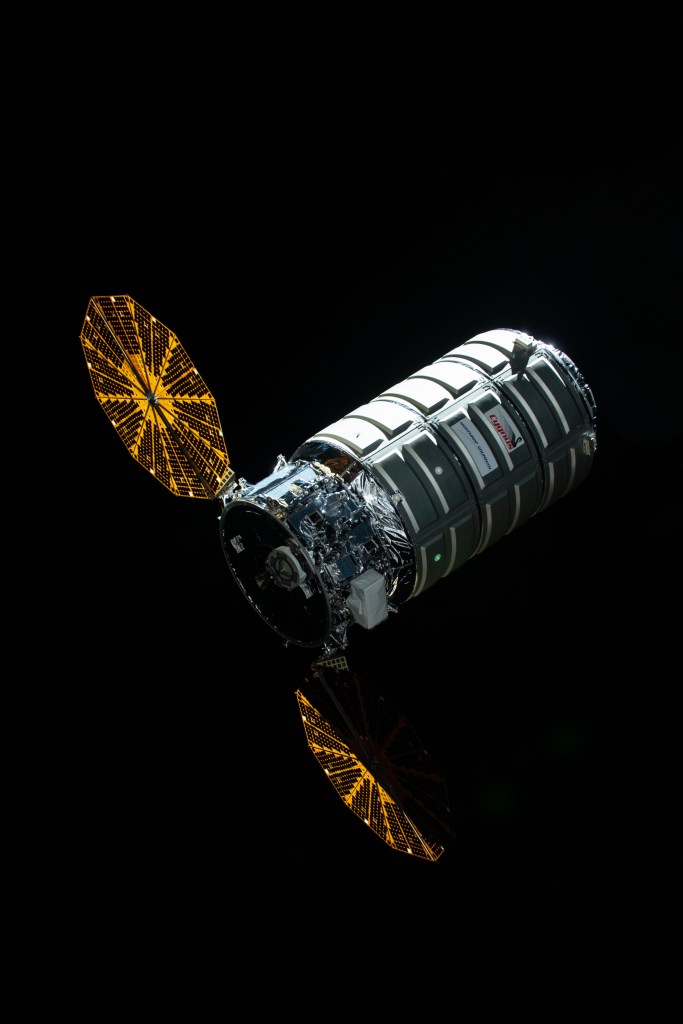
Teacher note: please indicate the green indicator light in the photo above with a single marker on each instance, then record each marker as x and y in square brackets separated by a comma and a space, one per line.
[437, 558]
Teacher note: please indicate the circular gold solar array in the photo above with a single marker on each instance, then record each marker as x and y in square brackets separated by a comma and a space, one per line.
[376, 763]
[154, 397]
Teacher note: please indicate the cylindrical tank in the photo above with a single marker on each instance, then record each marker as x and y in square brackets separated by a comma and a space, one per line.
[377, 507]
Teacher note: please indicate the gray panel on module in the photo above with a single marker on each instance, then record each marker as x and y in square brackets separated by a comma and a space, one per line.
[438, 505]
[361, 437]
[485, 356]
[426, 395]
[455, 377]
[502, 338]
[389, 417]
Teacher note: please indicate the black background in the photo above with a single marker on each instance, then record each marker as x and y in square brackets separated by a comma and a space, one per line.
[537, 675]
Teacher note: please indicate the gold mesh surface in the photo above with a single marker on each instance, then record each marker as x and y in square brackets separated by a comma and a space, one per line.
[360, 791]
[154, 397]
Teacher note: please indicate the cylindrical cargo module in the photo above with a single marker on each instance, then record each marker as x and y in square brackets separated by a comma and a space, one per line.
[379, 506]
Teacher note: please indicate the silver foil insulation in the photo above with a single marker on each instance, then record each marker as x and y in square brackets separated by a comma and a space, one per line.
[380, 505]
